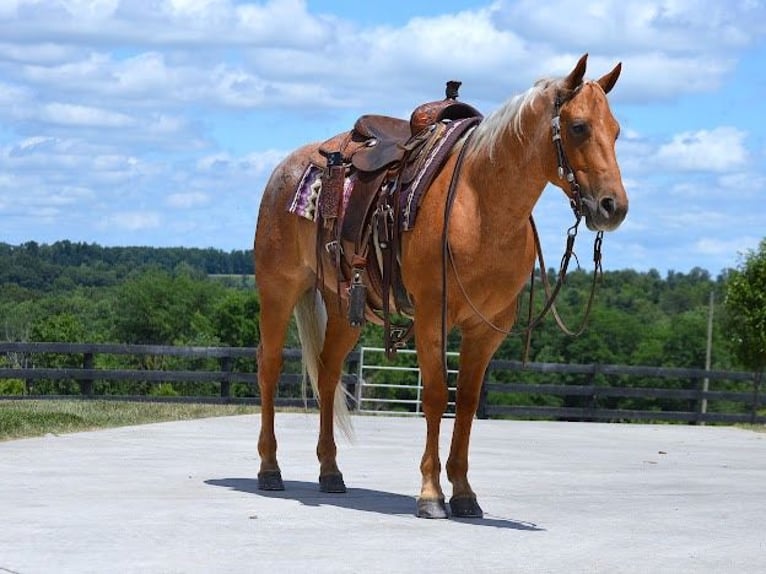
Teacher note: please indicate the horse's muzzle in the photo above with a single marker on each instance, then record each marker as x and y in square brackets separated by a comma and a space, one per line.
[604, 213]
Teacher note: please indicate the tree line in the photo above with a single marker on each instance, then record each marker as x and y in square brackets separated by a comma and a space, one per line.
[64, 265]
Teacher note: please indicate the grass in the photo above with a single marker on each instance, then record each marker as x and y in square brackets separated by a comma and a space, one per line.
[30, 418]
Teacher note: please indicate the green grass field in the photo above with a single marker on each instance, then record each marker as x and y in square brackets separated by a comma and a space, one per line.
[29, 418]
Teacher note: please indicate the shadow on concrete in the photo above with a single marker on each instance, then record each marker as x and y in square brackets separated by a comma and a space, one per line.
[362, 499]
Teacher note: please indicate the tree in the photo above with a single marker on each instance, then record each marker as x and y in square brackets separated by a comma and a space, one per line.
[161, 308]
[746, 309]
[235, 318]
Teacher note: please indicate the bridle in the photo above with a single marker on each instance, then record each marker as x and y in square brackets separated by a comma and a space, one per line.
[565, 171]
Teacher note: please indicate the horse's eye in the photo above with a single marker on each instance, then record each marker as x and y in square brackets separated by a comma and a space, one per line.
[578, 128]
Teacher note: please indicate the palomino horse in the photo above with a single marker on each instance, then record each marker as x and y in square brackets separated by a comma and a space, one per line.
[560, 131]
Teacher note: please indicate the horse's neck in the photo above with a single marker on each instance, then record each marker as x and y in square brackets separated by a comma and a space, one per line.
[507, 183]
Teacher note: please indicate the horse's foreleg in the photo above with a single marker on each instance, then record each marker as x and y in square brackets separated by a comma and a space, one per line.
[340, 338]
[475, 353]
[434, 403]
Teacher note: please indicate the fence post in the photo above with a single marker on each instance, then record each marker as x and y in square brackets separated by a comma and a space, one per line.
[757, 379]
[481, 411]
[28, 383]
[86, 384]
[700, 412]
[351, 378]
[593, 402]
[226, 366]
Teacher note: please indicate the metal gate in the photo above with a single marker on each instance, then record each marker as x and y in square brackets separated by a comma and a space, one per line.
[396, 385]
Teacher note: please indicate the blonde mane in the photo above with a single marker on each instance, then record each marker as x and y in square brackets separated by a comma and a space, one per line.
[507, 116]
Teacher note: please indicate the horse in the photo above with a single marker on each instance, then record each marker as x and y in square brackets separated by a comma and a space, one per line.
[560, 131]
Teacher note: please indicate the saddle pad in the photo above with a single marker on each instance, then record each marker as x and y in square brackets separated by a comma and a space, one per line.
[412, 194]
[305, 200]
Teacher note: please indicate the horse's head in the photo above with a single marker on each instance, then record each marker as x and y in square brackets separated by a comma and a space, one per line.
[584, 135]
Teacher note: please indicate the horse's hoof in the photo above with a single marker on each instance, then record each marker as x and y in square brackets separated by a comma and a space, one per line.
[429, 508]
[270, 480]
[465, 507]
[332, 483]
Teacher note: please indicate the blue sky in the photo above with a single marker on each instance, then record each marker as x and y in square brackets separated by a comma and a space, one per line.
[157, 122]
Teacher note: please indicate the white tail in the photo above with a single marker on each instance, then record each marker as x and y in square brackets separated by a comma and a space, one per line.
[311, 320]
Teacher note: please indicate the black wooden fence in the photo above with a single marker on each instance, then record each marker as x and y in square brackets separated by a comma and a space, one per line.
[234, 365]
[743, 403]
[595, 395]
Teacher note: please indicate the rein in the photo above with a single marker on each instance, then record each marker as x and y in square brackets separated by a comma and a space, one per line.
[447, 251]
[575, 200]
[550, 294]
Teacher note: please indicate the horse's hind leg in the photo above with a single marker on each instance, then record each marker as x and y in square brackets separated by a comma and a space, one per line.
[340, 338]
[276, 308]
[283, 245]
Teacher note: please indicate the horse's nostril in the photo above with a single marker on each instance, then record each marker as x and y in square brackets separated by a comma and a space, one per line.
[608, 205]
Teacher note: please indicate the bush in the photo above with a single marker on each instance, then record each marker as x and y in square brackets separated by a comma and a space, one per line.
[164, 390]
[12, 387]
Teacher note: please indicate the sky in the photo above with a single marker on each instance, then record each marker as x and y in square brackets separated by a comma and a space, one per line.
[158, 122]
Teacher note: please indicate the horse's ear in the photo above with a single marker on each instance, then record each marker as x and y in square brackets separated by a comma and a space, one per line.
[607, 81]
[575, 77]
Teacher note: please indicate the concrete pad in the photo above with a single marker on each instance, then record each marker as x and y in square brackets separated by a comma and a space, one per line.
[557, 497]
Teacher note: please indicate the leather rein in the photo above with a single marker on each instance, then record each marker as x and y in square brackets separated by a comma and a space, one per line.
[551, 293]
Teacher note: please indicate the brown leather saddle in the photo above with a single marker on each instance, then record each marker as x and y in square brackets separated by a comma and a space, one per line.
[382, 156]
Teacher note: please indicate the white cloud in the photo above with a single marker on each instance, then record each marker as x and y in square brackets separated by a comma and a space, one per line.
[11, 95]
[287, 52]
[9, 8]
[91, 10]
[85, 116]
[134, 220]
[283, 22]
[165, 125]
[425, 40]
[719, 246]
[196, 7]
[255, 163]
[628, 25]
[668, 47]
[142, 74]
[671, 75]
[743, 184]
[187, 200]
[718, 150]
[237, 88]
[264, 162]
[38, 53]
[69, 195]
